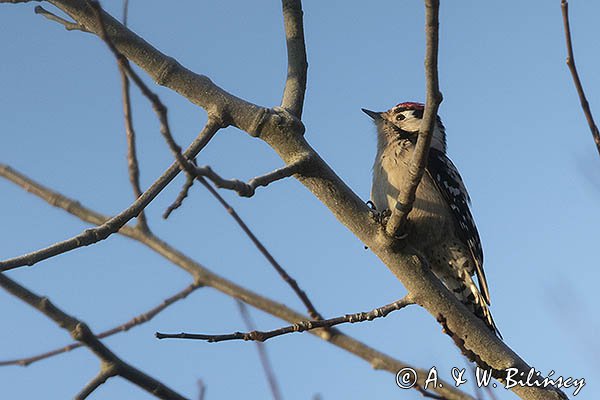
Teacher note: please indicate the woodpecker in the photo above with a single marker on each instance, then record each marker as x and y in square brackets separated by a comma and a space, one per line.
[440, 224]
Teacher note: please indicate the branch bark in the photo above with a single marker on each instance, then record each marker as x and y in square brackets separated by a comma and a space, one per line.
[81, 332]
[283, 131]
[300, 326]
[248, 189]
[262, 353]
[564, 4]
[295, 85]
[204, 276]
[138, 320]
[406, 197]
[94, 235]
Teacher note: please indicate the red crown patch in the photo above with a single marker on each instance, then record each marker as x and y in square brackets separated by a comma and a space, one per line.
[411, 106]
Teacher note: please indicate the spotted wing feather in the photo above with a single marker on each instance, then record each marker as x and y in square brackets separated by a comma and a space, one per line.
[450, 184]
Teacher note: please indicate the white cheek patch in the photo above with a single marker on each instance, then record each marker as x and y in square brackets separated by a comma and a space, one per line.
[411, 124]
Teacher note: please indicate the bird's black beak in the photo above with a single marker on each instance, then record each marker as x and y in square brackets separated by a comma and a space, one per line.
[373, 114]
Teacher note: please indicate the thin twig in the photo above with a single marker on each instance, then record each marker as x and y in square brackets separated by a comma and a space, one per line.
[301, 326]
[125, 11]
[132, 161]
[201, 389]
[186, 164]
[69, 25]
[312, 311]
[101, 232]
[564, 4]
[81, 332]
[406, 196]
[248, 189]
[136, 321]
[159, 108]
[96, 382]
[189, 181]
[295, 84]
[284, 134]
[262, 353]
[377, 359]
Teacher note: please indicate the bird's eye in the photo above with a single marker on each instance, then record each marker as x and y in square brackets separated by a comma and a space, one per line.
[400, 117]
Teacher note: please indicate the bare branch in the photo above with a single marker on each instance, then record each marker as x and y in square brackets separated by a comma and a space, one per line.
[94, 235]
[301, 326]
[107, 371]
[248, 189]
[377, 359]
[312, 311]
[201, 389]
[189, 181]
[69, 25]
[406, 196]
[564, 4]
[187, 165]
[132, 161]
[138, 320]
[158, 106]
[262, 353]
[295, 85]
[125, 11]
[80, 331]
[284, 133]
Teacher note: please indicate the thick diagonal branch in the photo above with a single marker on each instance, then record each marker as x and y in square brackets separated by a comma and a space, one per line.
[138, 320]
[406, 196]
[206, 277]
[115, 223]
[82, 333]
[284, 133]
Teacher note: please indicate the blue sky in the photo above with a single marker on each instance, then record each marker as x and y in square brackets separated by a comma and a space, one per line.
[514, 128]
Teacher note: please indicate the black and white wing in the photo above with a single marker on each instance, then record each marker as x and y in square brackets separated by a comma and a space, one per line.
[448, 181]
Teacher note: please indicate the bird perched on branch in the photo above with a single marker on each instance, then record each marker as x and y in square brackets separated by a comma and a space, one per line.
[440, 224]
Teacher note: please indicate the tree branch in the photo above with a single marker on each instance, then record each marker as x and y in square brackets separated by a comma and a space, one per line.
[284, 133]
[132, 161]
[262, 353]
[69, 25]
[80, 332]
[107, 371]
[206, 277]
[94, 235]
[295, 85]
[312, 311]
[138, 320]
[248, 189]
[406, 197]
[183, 193]
[192, 170]
[564, 5]
[302, 326]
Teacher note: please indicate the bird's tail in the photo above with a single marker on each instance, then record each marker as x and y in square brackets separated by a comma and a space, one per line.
[465, 289]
